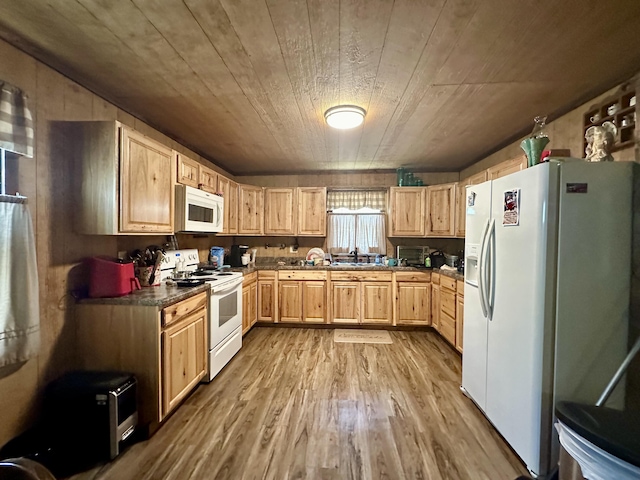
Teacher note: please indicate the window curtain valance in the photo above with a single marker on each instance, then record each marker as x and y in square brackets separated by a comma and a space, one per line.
[356, 199]
[16, 123]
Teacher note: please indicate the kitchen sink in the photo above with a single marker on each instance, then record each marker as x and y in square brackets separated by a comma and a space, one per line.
[352, 264]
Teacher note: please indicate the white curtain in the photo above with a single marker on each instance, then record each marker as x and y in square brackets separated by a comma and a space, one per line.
[19, 308]
[370, 234]
[346, 232]
[341, 233]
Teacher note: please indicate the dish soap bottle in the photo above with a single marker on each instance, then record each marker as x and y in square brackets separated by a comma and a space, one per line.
[427, 261]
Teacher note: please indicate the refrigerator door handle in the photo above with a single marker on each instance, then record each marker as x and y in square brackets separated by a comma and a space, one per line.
[487, 268]
[481, 284]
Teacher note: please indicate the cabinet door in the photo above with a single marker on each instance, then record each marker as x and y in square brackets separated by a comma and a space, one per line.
[459, 322]
[461, 208]
[312, 211]
[413, 303]
[508, 167]
[188, 171]
[314, 300]
[229, 191]
[435, 306]
[377, 300]
[406, 211]
[266, 300]
[279, 209]
[478, 178]
[246, 308]
[253, 304]
[184, 357]
[345, 302]
[250, 210]
[146, 184]
[208, 180]
[441, 200]
[290, 301]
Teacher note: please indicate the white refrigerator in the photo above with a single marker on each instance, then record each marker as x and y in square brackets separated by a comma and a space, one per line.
[547, 284]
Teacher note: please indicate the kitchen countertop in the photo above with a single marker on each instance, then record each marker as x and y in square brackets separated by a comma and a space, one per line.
[160, 296]
[374, 267]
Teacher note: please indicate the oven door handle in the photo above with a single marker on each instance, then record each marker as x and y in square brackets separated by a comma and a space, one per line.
[232, 286]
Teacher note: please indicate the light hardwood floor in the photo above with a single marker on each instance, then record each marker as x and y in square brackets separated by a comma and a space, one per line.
[294, 404]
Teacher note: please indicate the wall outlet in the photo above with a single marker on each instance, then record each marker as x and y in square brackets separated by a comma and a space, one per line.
[122, 254]
[293, 249]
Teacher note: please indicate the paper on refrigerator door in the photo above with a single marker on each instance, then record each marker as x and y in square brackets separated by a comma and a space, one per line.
[511, 214]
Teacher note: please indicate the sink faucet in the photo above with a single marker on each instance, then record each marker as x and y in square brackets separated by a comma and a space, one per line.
[355, 254]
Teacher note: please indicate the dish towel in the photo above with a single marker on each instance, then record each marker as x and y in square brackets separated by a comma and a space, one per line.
[19, 307]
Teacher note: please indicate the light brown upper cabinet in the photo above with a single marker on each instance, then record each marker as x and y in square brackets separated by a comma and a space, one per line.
[208, 180]
[461, 201]
[250, 210]
[508, 167]
[312, 211]
[441, 203]
[461, 208]
[279, 211]
[407, 211]
[125, 180]
[229, 191]
[188, 171]
[196, 175]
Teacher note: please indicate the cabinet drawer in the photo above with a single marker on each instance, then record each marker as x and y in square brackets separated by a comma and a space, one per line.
[448, 303]
[249, 278]
[413, 276]
[177, 311]
[448, 328]
[448, 283]
[435, 278]
[266, 274]
[302, 275]
[368, 276]
[460, 288]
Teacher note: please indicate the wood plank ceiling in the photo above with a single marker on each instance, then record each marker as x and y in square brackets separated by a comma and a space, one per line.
[246, 82]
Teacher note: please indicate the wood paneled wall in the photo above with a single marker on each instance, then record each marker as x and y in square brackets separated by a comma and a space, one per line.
[46, 180]
[565, 132]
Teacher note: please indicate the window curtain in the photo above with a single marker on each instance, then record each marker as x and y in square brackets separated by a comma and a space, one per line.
[356, 199]
[370, 234]
[19, 307]
[341, 238]
[16, 123]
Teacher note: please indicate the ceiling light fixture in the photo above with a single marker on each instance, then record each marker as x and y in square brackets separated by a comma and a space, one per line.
[344, 116]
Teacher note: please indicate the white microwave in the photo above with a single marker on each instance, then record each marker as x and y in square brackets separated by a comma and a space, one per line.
[198, 211]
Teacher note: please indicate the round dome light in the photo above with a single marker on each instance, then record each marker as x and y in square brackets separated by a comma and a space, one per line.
[344, 116]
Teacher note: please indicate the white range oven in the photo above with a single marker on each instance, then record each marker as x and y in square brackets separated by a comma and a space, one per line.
[225, 307]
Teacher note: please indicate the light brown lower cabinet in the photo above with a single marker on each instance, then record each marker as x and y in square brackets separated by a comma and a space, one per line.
[448, 309]
[345, 302]
[435, 301]
[290, 301]
[413, 303]
[165, 348]
[249, 301]
[302, 301]
[377, 303]
[413, 298]
[314, 301]
[184, 349]
[267, 296]
[361, 297]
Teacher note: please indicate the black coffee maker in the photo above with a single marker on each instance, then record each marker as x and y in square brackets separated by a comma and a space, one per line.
[235, 256]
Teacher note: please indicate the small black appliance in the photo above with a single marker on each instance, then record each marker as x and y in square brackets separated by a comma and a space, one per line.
[235, 256]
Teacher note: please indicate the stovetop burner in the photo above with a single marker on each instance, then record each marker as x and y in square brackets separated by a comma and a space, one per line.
[223, 274]
[201, 273]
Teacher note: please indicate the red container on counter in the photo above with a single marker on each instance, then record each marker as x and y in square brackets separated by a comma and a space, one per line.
[110, 277]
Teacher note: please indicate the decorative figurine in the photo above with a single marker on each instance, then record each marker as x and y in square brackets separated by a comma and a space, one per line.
[600, 140]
